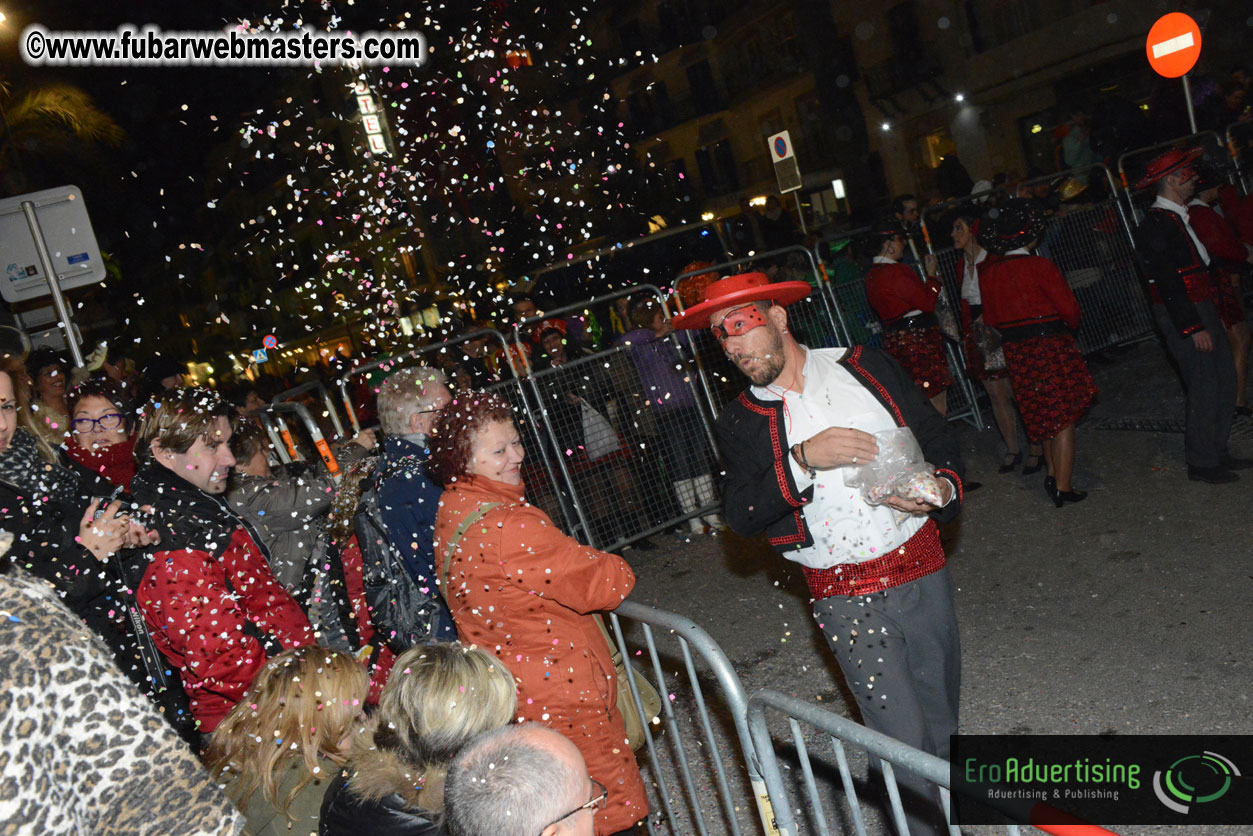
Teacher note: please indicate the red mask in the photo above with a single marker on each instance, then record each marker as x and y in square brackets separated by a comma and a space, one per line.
[738, 322]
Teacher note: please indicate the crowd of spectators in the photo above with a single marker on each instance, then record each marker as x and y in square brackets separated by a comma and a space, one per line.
[363, 653]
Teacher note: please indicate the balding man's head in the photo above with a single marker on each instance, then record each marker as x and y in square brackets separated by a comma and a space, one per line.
[521, 780]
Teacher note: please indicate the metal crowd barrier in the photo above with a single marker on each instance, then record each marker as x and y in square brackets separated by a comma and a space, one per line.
[284, 441]
[331, 413]
[676, 799]
[921, 770]
[633, 461]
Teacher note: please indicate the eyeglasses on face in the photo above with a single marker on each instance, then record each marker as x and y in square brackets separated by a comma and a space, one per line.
[737, 322]
[111, 421]
[600, 797]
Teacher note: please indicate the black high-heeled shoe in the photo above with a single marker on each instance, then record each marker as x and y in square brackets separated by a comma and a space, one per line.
[1034, 464]
[1070, 496]
[1050, 488]
[1010, 463]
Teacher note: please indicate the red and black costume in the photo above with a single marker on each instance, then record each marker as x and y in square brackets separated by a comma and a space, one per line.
[903, 589]
[905, 304]
[1026, 298]
[1183, 294]
[1227, 259]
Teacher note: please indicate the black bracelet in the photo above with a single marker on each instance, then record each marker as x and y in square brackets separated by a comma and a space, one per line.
[798, 451]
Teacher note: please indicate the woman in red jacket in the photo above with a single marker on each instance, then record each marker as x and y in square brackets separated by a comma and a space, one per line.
[1026, 298]
[905, 304]
[520, 588]
[985, 359]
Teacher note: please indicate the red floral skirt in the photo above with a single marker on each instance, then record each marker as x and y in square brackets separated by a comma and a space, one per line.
[1230, 310]
[1051, 383]
[921, 352]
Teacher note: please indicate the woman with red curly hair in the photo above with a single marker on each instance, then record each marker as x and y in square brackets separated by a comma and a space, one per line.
[520, 588]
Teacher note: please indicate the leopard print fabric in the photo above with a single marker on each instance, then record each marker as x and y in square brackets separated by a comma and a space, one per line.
[81, 750]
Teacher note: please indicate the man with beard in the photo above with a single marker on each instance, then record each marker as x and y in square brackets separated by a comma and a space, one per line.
[881, 593]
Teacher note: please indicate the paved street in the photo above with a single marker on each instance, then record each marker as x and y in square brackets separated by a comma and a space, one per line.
[1125, 614]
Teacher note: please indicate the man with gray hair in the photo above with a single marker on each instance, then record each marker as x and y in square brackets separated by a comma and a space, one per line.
[408, 403]
[521, 780]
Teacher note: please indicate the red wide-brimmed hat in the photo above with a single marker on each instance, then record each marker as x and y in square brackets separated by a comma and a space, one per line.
[740, 290]
[1164, 164]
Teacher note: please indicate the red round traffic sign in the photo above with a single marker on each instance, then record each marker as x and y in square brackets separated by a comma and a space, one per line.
[1173, 45]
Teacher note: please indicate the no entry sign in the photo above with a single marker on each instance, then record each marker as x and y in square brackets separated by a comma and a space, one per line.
[1173, 45]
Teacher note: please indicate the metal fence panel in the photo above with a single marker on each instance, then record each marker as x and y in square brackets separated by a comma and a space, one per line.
[635, 464]
[634, 459]
[693, 787]
[897, 763]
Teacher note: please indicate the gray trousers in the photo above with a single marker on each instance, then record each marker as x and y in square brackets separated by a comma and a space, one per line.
[901, 657]
[1209, 380]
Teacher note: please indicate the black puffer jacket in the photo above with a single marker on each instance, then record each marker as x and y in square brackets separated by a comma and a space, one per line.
[376, 794]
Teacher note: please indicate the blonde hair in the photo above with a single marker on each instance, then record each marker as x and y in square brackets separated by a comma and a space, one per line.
[302, 704]
[437, 699]
[15, 368]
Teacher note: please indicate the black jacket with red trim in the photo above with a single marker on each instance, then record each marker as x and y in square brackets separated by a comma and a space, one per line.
[759, 491]
[1173, 268]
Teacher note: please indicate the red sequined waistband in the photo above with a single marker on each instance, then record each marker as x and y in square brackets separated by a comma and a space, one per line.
[921, 555]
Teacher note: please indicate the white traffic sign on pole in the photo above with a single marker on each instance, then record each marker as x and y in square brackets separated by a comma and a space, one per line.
[784, 158]
[61, 214]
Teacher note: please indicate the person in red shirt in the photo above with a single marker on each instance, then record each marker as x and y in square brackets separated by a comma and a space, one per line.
[208, 595]
[1229, 260]
[906, 304]
[1026, 298]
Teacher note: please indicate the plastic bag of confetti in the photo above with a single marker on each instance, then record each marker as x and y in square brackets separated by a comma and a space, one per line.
[899, 470]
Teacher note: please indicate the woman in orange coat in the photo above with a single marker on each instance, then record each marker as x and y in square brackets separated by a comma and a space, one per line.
[521, 589]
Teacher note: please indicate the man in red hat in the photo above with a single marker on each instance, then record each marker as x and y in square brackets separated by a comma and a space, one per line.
[881, 593]
[1177, 267]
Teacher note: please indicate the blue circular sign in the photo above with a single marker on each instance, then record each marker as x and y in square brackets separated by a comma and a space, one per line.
[780, 147]
[270, 341]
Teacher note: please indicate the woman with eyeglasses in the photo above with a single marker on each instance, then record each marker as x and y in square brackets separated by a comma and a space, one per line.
[69, 524]
[101, 437]
[905, 304]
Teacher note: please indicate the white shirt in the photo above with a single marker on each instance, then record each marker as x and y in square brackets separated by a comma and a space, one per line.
[845, 528]
[970, 278]
[1183, 213]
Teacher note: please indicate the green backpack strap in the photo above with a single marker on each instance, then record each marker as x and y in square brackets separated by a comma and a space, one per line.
[479, 513]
